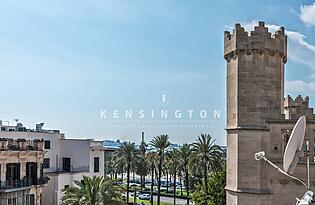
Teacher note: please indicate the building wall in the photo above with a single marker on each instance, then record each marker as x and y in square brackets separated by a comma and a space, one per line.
[81, 153]
[100, 154]
[255, 89]
[283, 187]
[78, 151]
[21, 156]
[52, 153]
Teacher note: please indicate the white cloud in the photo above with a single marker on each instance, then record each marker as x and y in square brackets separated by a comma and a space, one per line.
[296, 86]
[300, 87]
[307, 14]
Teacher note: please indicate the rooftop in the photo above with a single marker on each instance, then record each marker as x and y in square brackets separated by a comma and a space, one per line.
[21, 144]
[6, 127]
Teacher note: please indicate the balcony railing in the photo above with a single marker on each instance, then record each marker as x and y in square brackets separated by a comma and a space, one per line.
[74, 169]
[13, 184]
[25, 182]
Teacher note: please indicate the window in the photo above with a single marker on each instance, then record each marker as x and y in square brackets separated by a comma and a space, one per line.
[27, 197]
[66, 164]
[66, 186]
[46, 163]
[47, 144]
[96, 164]
[32, 199]
[12, 201]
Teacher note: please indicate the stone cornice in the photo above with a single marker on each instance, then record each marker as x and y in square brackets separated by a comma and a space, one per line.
[265, 51]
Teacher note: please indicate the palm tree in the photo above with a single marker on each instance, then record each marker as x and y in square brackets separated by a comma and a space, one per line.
[92, 191]
[174, 159]
[151, 156]
[160, 144]
[204, 150]
[184, 154]
[128, 154]
[142, 166]
[112, 193]
[142, 169]
[166, 171]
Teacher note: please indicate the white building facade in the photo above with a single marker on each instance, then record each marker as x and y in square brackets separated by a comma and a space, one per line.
[65, 160]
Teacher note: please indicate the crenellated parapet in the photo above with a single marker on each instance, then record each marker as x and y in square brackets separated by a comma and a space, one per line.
[294, 108]
[260, 41]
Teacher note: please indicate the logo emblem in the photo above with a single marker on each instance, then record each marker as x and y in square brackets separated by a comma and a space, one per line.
[164, 97]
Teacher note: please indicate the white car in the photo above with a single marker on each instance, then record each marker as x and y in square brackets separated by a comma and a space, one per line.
[144, 196]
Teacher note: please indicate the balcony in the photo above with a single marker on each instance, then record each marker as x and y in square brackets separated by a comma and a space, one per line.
[73, 169]
[22, 184]
[25, 183]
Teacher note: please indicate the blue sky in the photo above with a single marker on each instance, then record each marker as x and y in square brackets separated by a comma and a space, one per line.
[62, 62]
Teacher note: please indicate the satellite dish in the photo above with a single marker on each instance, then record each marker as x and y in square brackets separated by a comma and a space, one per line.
[291, 154]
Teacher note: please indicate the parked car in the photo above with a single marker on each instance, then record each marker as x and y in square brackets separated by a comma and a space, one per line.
[137, 194]
[144, 197]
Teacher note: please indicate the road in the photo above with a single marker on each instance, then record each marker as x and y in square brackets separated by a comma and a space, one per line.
[168, 200]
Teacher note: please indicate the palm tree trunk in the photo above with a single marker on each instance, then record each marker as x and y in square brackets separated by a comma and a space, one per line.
[181, 184]
[135, 196]
[122, 176]
[187, 185]
[133, 176]
[152, 181]
[206, 182]
[159, 182]
[174, 187]
[128, 178]
[141, 182]
[166, 181]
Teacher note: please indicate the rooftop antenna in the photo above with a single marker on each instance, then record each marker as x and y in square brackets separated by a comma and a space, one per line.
[292, 154]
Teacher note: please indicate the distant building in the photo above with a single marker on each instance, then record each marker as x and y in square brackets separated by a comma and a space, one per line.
[65, 160]
[21, 173]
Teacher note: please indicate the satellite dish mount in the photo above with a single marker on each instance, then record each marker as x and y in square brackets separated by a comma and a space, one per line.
[292, 154]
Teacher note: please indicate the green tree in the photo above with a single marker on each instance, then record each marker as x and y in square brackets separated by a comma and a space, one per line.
[92, 191]
[174, 161]
[210, 155]
[216, 190]
[128, 154]
[143, 167]
[112, 193]
[160, 144]
[152, 157]
[184, 155]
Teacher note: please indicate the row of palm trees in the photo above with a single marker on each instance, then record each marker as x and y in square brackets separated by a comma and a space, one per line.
[196, 159]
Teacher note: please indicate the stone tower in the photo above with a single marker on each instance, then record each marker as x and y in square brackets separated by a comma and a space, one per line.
[255, 93]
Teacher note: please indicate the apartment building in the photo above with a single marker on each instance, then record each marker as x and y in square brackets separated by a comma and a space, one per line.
[21, 171]
[65, 160]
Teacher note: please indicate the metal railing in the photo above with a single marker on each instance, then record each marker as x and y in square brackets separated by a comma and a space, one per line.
[13, 184]
[25, 182]
[74, 169]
